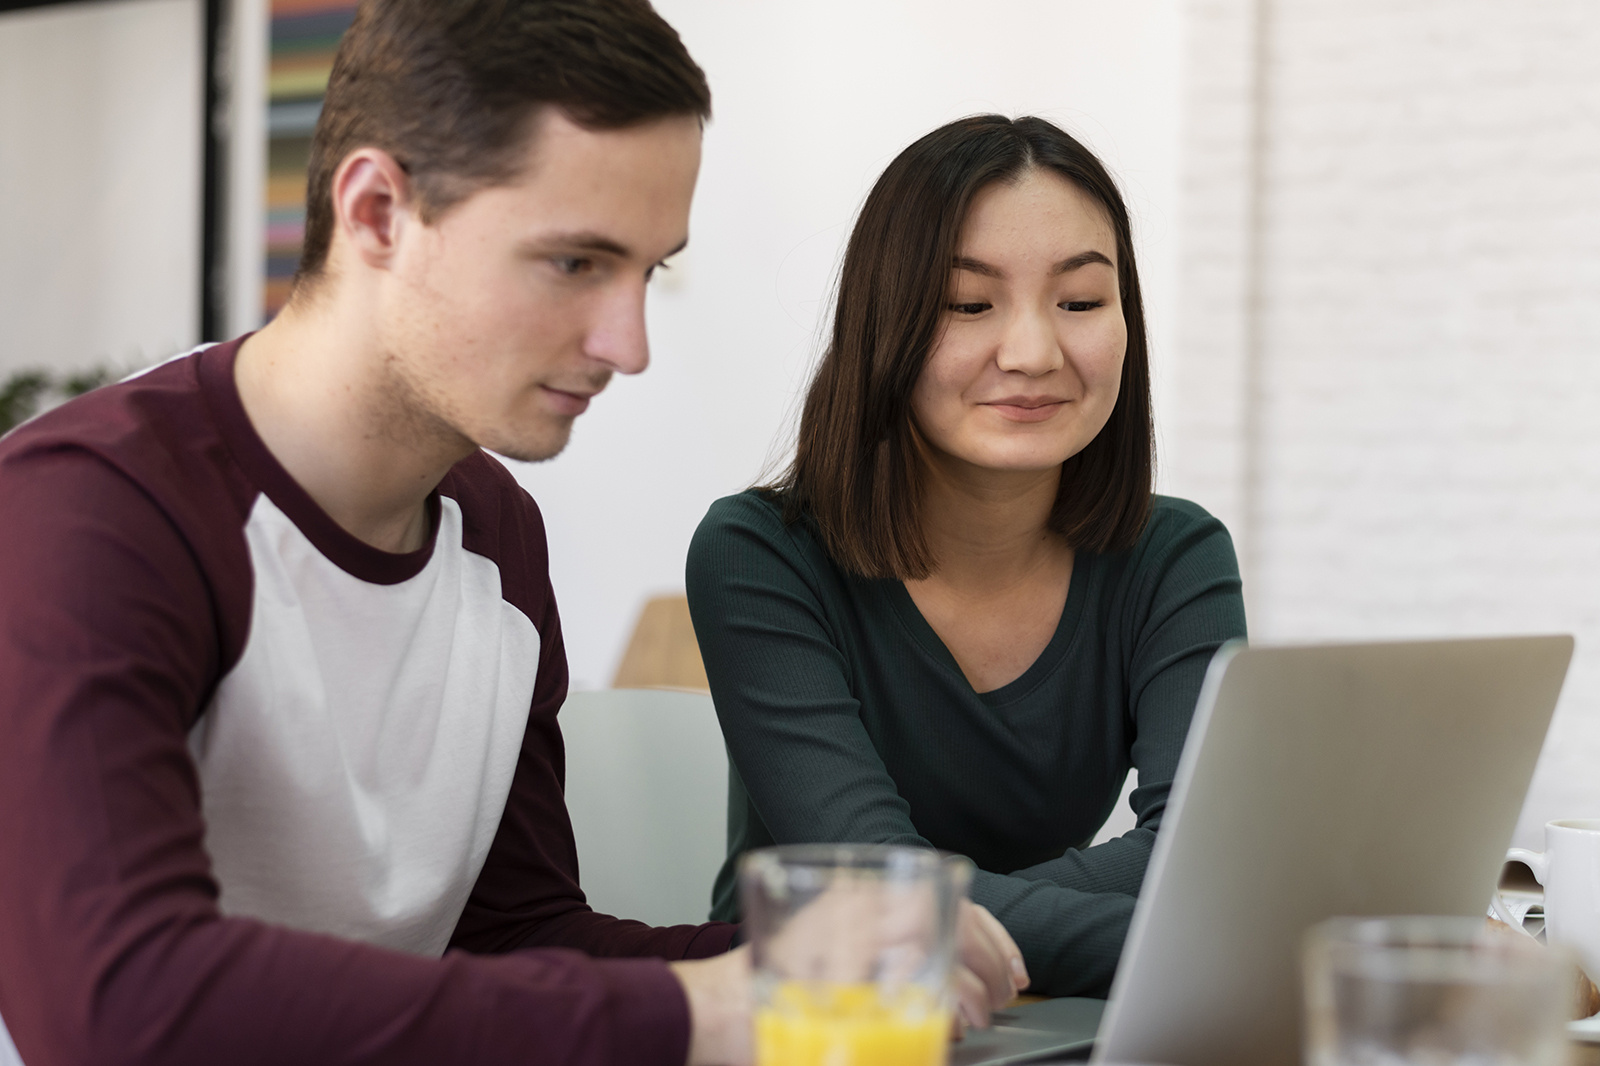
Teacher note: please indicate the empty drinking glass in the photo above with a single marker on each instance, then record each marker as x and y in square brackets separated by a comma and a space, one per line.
[1426, 990]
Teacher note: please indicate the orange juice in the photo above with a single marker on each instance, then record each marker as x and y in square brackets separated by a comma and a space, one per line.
[819, 1023]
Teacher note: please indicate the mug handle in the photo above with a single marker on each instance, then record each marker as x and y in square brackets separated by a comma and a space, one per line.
[1536, 861]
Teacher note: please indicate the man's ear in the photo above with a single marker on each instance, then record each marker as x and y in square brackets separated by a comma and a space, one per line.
[372, 201]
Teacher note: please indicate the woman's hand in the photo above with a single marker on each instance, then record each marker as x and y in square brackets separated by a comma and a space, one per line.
[989, 974]
[990, 971]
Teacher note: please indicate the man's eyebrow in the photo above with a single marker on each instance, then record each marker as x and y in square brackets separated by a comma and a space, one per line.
[1066, 266]
[579, 241]
[589, 241]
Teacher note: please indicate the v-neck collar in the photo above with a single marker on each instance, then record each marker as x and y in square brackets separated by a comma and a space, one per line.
[917, 627]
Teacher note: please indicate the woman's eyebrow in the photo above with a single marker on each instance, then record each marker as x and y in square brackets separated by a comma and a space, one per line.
[977, 266]
[1066, 266]
[1081, 259]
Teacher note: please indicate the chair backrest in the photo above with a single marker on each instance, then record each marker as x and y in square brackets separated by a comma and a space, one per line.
[647, 788]
[663, 652]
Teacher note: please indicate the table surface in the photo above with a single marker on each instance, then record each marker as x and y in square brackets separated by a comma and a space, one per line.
[1583, 1052]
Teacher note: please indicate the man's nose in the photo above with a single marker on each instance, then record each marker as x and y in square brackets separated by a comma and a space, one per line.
[1030, 344]
[617, 335]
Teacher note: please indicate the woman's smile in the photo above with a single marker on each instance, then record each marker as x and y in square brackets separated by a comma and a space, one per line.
[1026, 408]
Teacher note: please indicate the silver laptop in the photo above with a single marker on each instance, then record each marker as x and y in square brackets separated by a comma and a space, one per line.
[1349, 779]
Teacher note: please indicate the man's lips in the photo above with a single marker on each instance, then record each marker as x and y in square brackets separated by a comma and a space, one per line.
[1026, 408]
[569, 401]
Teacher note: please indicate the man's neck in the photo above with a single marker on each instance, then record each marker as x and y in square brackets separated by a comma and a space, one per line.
[319, 393]
[989, 528]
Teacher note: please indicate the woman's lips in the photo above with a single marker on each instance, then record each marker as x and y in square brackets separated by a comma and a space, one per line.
[568, 403]
[1026, 410]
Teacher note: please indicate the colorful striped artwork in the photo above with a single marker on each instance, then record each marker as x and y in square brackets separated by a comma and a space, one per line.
[304, 35]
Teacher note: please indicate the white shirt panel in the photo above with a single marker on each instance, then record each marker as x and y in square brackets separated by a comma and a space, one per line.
[355, 763]
[8, 1050]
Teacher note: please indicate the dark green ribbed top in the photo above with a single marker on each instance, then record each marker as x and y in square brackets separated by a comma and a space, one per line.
[847, 719]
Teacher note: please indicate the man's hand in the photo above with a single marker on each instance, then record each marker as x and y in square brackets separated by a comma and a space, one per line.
[718, 990]
[989, 971]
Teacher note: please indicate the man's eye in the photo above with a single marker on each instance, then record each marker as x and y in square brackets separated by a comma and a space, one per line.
[572, 265]
[975, 308]
[1081, 305]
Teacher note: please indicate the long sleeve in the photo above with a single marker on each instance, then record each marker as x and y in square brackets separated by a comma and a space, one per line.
[832, 713]
[1181, 606]
[112, 946]
[527, 894]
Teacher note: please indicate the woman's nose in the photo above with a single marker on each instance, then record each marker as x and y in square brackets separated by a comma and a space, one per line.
[1030, 345]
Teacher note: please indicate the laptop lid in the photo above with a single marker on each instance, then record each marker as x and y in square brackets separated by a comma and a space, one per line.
[1316, 781]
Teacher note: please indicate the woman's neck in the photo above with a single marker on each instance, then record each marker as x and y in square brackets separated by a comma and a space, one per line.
[1001, 576]
[987, 529]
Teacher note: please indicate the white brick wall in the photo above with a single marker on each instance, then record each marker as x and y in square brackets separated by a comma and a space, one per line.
[1395, 397]
[1207, 443]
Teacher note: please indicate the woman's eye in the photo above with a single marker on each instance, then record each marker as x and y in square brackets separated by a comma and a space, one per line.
[976, 308]
[1081, 305]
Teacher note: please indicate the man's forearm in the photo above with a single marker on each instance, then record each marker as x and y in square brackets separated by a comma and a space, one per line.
[240, 992]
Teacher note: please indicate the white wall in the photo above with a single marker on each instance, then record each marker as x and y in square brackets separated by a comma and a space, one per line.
[1389, 357]
[100, 180]
[811, 101]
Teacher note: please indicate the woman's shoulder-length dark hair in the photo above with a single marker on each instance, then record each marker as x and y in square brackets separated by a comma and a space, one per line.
[857, 470]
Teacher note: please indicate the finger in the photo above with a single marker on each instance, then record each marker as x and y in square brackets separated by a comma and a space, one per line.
[972, 998]
[1008, 947]
[984, 954]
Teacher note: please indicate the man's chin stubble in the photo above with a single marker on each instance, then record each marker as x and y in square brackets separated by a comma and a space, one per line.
[532, 452]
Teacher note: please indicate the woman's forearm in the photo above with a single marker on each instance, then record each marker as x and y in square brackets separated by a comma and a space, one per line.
[1071, 940]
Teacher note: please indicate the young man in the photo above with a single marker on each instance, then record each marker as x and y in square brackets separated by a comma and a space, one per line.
[280, 659]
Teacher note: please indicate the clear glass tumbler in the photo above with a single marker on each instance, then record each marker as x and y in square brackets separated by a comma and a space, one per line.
[853, 947]
[1426, 990]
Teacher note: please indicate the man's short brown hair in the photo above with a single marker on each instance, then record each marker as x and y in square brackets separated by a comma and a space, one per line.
[858, 466]
[448, 87]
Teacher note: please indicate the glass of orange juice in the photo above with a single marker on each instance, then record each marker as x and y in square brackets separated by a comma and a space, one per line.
[853, 946]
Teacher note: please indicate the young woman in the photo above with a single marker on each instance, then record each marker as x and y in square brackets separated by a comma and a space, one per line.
[961, 616]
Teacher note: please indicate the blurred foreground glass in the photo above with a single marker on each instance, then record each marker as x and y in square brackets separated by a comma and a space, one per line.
[1382, 991]
[853, 947]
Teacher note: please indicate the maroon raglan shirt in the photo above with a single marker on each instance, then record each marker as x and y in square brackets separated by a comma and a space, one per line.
[189, 652]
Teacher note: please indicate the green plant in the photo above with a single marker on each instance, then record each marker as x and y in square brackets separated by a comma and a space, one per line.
[19, 397]
[26, 391]
[86, 381]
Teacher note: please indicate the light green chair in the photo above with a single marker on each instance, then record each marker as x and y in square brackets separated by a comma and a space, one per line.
[647, 788]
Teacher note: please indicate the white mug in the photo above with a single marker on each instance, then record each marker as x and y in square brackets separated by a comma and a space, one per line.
[1569, 870]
